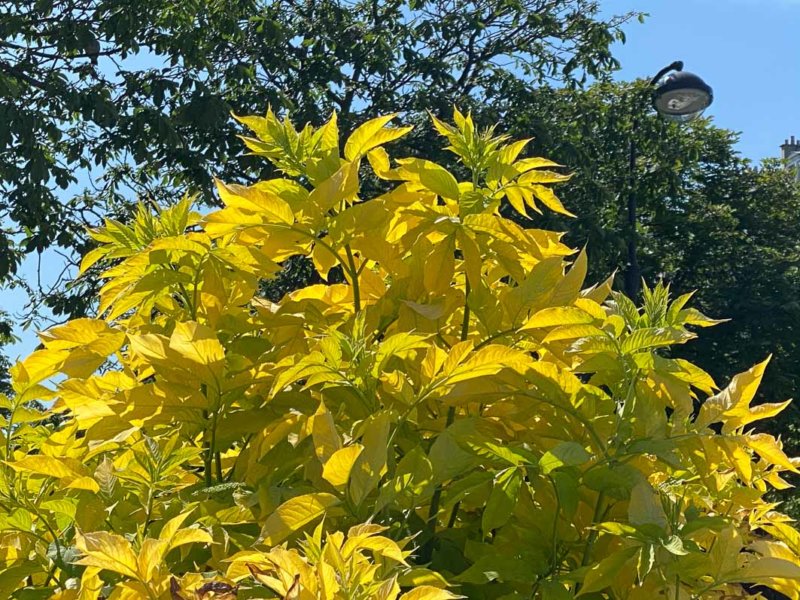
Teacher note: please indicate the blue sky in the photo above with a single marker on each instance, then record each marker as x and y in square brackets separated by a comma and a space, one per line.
[747, 50]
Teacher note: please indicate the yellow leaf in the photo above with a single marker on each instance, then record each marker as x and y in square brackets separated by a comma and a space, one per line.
[569, 288]
[371, 135]
[92, 257]
[439, 266]
[329, 133]
[379, 161]
[370, 465]
[526, 164]
[421, 576]
[432, 176]
[323, 260]
[517, 200]
[150, 556]
[732, 404]
[256, 200]
[342, 185]
[603, 574]
[197, 343]
[473, 261]
[572, 332]
[42, 364]
[294, 514]
[323, 432]
[337, 469]
[399, 345]
[151, 346]
[364, 537]
[654, 337]
[44, 465]
[489, 360]
[770, 450]
[82, 483]
[190, 535]
[428, 592]
[90, 334]
[558, 316]
[510, 152]
[91, 584]
[131, 590]
[766, 568]
[548, 197]
[107, 551]
[456, 356]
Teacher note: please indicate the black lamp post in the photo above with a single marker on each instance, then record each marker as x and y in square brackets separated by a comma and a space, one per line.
[677, 96]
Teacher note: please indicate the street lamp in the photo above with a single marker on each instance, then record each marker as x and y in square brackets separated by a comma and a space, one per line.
[677, 96]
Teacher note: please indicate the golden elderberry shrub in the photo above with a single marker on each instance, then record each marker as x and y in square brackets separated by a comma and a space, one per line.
[452, 412]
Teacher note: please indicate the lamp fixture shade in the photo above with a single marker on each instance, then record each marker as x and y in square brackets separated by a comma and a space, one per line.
[682, 96]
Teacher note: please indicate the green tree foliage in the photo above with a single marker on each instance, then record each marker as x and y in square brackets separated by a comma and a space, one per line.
[460, 416]
[6, 337]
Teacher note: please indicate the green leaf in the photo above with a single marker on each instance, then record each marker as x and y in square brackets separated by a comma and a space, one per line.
[565, 454]
[502, 500]
[12, 577]
[495, 567]
[603, 574]
[473, 202]
[615, 480]
[567, 488]
[644, 507]
[552, 590]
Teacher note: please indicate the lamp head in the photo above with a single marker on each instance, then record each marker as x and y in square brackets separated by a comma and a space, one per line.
[682, 96]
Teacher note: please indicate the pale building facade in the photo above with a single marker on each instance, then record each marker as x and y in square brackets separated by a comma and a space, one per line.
[790, 152]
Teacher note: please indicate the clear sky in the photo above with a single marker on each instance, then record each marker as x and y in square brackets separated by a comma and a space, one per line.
[747, 50]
